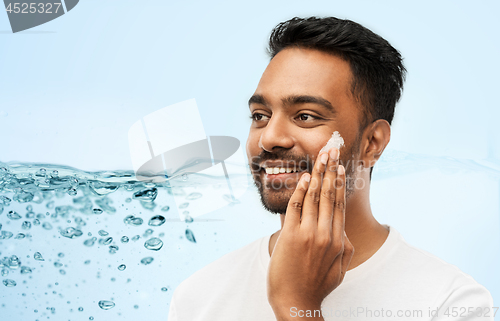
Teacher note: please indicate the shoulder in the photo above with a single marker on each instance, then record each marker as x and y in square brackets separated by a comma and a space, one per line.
[437, 278]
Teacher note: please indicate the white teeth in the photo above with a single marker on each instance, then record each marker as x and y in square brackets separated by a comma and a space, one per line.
[279, 170]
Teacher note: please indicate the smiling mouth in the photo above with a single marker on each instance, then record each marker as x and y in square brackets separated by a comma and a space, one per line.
[268, 175]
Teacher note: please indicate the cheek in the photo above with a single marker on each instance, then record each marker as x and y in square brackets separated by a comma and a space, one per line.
[314, 142]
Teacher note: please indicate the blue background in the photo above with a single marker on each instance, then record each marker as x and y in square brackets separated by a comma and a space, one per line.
[71, 88]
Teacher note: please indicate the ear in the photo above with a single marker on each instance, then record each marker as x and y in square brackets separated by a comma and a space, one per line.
[375, 138]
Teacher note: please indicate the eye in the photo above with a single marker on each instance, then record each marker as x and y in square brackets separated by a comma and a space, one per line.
[314, 117]
[255, 115]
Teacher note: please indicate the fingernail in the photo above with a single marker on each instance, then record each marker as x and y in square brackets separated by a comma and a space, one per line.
[334, 153]
[341, 170]
[324, 158]
[307, 177]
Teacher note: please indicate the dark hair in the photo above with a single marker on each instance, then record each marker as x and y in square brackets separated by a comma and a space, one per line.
[376, 66]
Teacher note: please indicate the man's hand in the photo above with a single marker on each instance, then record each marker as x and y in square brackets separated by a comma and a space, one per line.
[312, 252]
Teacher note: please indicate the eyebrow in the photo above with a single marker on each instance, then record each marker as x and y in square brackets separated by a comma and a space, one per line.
[294, 100]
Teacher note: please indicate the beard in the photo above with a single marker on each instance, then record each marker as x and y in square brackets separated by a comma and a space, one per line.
[275, 200]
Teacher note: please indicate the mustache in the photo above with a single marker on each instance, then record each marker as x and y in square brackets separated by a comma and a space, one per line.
[305, 162]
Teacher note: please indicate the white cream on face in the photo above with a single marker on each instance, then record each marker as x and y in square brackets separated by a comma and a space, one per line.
[335, 141]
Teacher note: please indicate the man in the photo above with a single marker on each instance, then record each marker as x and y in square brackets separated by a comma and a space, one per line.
[331, 260]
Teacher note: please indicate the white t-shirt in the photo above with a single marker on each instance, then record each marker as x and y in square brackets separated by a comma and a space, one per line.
[398, 282]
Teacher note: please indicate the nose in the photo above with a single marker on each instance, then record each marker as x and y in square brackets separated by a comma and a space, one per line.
[276, 134]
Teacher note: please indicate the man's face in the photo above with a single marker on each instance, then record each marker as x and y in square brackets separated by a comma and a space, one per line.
[292, 120]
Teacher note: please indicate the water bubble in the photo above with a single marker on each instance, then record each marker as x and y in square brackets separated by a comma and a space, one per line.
[164, 289]
[39, 216]
[183, 205]
[13, 215]
[122, 267]
[190, 236]
[101, 188]
[148, 205]
[106, 305]
[128, 200]
[60, 254]
[90, 242]
[103, 233]
[83, 200]
[50, 205]
[147, 260]
[91, 318]
[72, 191]
[62, 272]
[38, 256]
[80, 221]
[5, 235]
[87, 262]
[6, 201]
[36, 222]
[47, 226]
[58, 264]
[14, 262]
[29, 208]
[135, 238]
[132, 220]
[188, 219]
[23, 196]
[113, 249]
[25, 270]
[104, 204]
[153, 244]
[184, 177]
[136, 306]
[97, 211]
[156, 220]
[26, 225]
[63, 211]
[147, 232]
[80, 309]
[5, 272]
[9, 283]
[165, 208]
[20, 236]
[194, 196]
[71, 232]
[106, 241]
[148, 195]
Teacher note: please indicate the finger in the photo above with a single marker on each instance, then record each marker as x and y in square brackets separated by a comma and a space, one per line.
[339, 206]
[327, 195]
[311, 201]
[295, 204]
[347, 255]
[334, 275]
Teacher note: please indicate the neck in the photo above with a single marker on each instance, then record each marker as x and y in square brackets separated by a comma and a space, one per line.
[365, 233]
